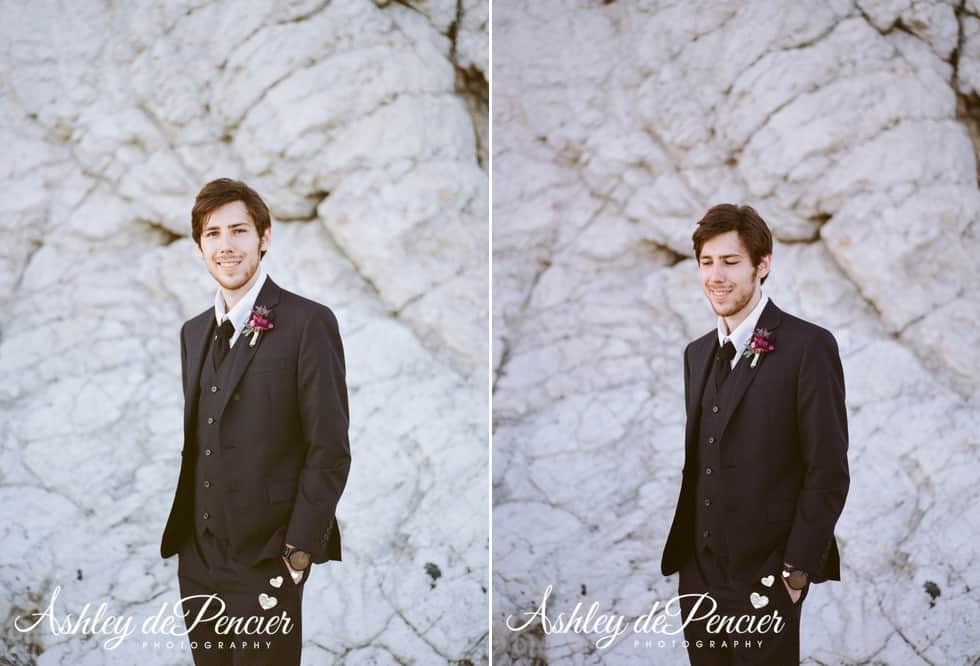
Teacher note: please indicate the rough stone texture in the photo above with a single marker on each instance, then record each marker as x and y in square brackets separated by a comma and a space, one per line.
[853, 129]
[348, 116]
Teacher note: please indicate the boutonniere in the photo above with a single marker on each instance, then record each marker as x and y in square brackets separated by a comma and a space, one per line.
[261, 320]
[759, 345]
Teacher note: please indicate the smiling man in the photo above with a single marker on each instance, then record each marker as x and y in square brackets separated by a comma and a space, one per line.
[765, 468]
[266, 455]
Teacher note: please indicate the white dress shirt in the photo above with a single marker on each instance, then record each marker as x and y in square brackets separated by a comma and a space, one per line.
[742, 334]
[241, 313]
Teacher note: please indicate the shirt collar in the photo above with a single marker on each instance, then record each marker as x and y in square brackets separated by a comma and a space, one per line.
[743, 332]
[239, 314]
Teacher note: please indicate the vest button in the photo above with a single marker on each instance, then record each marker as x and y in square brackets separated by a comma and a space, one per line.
[206, 515]
[707, 470]
[707, 501]
[207, 484]
[706, 534]
[210, 420]
[715, 409]
[207, 452]
[711, 440]
[214, 389]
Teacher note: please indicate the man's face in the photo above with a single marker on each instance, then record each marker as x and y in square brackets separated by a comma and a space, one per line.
[231, 246]
[727, 275]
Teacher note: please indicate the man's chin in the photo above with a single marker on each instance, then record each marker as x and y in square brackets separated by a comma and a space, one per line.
[229, 283]
[721, 312]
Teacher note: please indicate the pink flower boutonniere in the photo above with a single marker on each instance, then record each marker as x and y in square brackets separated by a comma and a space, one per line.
[261, 320]
[759, 345]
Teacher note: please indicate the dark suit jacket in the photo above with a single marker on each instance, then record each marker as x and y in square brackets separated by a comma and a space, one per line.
[784, 472]
[283, 432]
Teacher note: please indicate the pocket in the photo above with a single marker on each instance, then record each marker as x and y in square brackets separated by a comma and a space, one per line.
[778, 512]
[240, 497]
[280, 491]
[259, 366]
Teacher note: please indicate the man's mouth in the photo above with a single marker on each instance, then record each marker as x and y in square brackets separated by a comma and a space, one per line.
[227, 263]
[719, 293]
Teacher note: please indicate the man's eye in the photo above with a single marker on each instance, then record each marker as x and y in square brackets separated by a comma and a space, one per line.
[732, 263]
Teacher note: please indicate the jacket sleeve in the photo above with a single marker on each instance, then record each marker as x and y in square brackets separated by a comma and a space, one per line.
[324, 417]
[183, 360]
[822, 434]
[687, 399]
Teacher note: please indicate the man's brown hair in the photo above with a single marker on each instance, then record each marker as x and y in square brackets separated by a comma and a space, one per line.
[223, 191]
[751, 228]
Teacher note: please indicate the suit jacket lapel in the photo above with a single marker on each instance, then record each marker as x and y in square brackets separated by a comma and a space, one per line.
[268, 297]
[744, 374]
[198, 336]
[700, 362]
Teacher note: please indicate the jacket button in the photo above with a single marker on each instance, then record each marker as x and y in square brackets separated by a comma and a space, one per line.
[706, 534]
[711, 440]
[707, 470]
[207, 484]
[715, 409]
[207, 452]
[707, 501]
[210, 420]
[206, 515]
[214, 389]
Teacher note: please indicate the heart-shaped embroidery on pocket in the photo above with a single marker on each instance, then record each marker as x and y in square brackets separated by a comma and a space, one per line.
[267, 602]
[277, 581]
[765, 580]
[758, 600]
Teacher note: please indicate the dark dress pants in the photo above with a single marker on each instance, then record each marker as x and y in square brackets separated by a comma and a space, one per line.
[263, 591]
[707, 572]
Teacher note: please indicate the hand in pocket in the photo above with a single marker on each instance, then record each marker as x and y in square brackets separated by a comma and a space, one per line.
[794, 595]
[297, 576]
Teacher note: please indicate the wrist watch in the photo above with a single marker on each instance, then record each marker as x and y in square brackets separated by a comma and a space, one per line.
[797, 579]
[298, 559]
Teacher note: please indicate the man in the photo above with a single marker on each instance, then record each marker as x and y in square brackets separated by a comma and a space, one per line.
[765, 472]
[266, 454]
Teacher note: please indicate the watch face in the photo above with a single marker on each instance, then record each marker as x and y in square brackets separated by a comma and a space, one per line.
[299, 560]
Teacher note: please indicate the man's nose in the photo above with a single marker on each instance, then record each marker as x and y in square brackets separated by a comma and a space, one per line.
[224, 241]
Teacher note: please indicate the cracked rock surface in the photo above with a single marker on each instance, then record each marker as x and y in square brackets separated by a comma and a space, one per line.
[852, 127]
[349, 118]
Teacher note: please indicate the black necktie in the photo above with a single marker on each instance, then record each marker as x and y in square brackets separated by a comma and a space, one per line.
[221, 338]
[723, 363]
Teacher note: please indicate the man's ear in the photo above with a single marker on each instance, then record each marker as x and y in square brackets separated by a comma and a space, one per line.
[265, 241]
[764, 265]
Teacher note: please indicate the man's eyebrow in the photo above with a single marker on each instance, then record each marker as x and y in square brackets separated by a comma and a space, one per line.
[210, 225]
[720, 256]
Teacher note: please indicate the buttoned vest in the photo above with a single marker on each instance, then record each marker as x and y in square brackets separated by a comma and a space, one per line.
[709, 518]
[210, 512]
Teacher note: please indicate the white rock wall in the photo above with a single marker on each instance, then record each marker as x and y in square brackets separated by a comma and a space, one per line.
[363, 125]
[852, 127]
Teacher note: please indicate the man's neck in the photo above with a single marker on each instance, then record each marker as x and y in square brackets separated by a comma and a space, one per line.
[231, 297]
[732, 322]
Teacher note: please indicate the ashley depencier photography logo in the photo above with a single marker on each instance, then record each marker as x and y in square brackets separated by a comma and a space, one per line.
[664, 619]
[169, 621]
